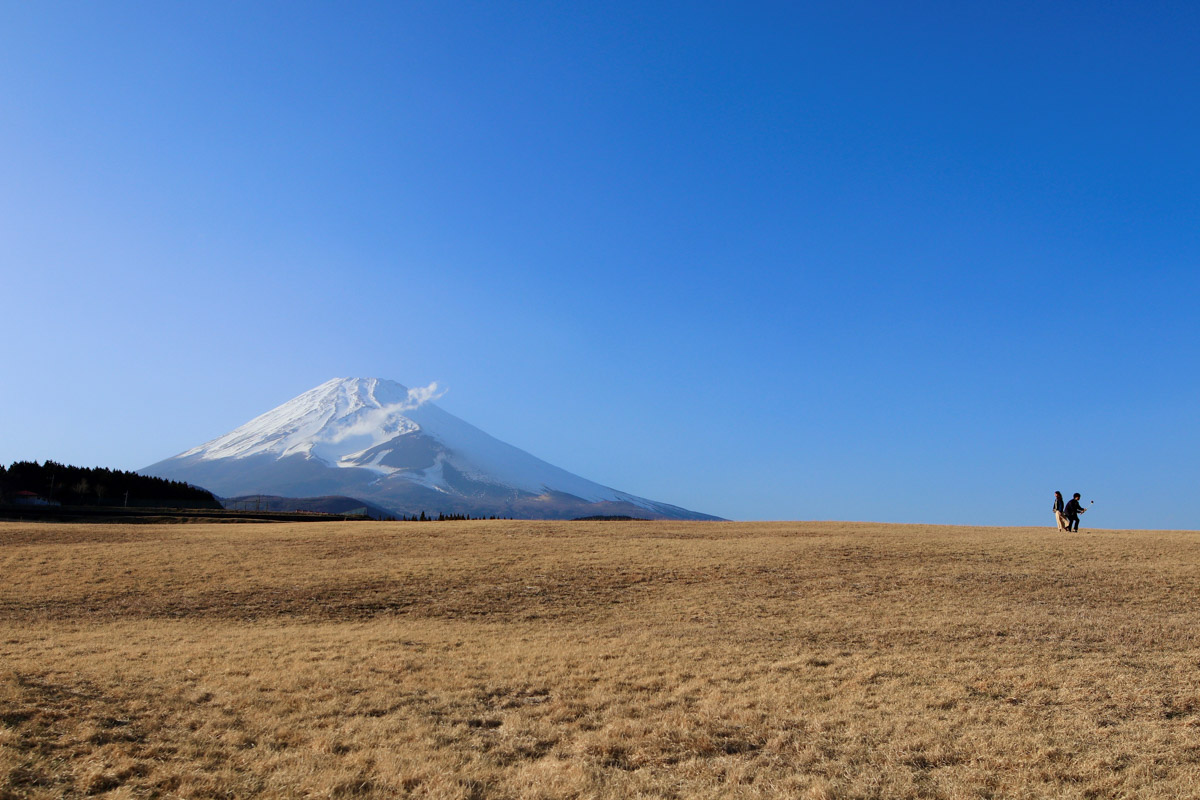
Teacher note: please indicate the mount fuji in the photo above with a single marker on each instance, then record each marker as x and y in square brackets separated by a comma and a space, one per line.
[378, 441]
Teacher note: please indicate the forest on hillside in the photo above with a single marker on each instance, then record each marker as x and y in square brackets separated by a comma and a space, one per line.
[96, 486]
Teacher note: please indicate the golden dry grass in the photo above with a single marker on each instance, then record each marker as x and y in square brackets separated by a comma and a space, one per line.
[597, 660]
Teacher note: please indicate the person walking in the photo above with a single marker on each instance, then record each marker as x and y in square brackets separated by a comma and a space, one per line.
[1072, 511]
[1058, 511]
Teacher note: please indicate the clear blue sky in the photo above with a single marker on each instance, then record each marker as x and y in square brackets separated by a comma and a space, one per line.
[908, 261]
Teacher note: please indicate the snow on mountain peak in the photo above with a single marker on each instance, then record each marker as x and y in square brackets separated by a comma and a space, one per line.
[382, 426]
[333, 422]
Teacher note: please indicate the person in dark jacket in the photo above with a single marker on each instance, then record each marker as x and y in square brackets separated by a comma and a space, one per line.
[1058, 512]
[1072, 512]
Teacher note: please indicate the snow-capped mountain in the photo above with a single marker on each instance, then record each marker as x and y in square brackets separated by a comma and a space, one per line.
[379, 441]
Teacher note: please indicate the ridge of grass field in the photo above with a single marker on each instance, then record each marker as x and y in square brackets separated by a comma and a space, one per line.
[149, 515]
[517, 659]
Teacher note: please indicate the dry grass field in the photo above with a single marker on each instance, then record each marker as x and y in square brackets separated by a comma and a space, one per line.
[597, 660]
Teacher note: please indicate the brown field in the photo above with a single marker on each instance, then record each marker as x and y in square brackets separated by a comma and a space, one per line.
[597, 660]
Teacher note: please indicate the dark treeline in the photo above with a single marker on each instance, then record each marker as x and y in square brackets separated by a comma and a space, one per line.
[440, 518]
[97, 486]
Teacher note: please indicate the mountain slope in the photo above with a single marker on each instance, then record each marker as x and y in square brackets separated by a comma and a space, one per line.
[377, 440]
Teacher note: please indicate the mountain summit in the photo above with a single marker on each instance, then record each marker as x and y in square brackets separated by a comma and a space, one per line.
[379, 441]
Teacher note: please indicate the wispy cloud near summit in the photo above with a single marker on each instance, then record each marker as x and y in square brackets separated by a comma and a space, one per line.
[420, 396]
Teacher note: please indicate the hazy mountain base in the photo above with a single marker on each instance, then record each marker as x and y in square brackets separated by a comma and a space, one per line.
[330, 504]
[598, 660]
[298, 476]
